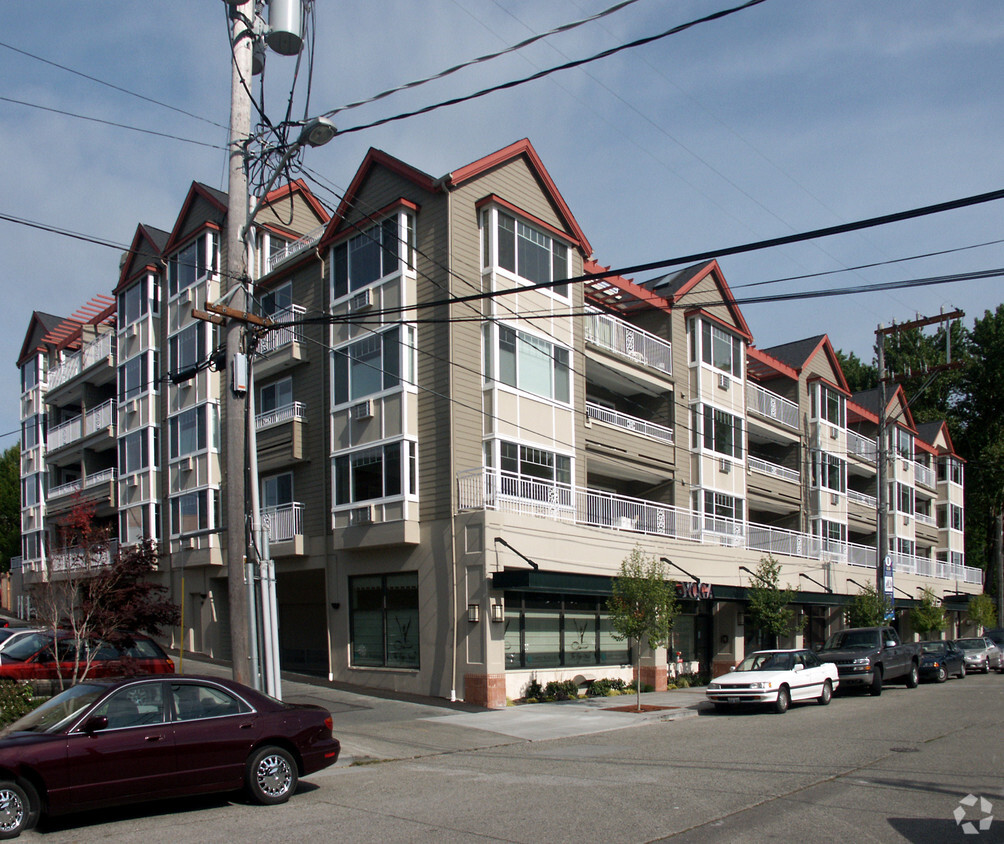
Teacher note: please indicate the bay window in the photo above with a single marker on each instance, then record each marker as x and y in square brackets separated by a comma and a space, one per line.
[194, 511]
[721, 349]
[368, 256]
[193, 430]
[383, 471]
[829, 472]
[135, 375]
[828, 405]
[134, 454]
[188, 347]
[531, 364]
[534, 473]
[375, 363]
[525, 251]
[723, 432]
[192, 263]
[137, 301]
[273, 396]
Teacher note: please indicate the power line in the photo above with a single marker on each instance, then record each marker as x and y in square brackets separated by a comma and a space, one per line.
[64, 232]
[548, 71]
[111, 123]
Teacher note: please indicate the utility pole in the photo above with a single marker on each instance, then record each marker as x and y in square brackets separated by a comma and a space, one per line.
[234, 409]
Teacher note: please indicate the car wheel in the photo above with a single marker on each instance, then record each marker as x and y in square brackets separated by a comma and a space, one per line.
[876, 686]
[913, 678]
[962, 671]
[18, 809]
[271, 776]
[783, 700]
[942, 674]
[827, 694]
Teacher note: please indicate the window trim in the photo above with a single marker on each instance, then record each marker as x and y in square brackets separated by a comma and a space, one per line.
[490, 223]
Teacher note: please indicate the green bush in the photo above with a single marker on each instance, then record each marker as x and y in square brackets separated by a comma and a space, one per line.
[600, 688]
[16, 700]
[633, 686]
[533, 691]
[561, 690]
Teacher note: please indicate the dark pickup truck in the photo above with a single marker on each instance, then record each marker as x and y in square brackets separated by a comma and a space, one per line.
[869, 656]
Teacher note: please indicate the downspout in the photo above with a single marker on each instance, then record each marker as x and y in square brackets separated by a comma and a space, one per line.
[454, 616]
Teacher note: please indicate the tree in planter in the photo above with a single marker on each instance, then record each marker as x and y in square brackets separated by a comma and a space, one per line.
[929, 616]
[982, 612]
[770, 610]
[866, 609]
[643, 606]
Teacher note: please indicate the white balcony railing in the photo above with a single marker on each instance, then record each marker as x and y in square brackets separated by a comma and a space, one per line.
[924, 475]
[100, 417]
[65, 489]
[925, 519]
[771, 405]
[630, 423]
[295, 410]
[626, 340]
[862, 447]
[765, 467]
[65, 433]
[862, 498]
[491, 489]
[283, 522]
[97, 349]
[74, 559]
[297, 246]
[104, 476]
[282, 336]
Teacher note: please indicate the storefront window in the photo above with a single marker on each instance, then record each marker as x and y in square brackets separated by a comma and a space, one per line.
[384, 620]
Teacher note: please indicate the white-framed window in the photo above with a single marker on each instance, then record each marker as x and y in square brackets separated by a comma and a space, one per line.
[193, 430]
[30, 493]
[904, 499]
[137, 301]
[956, 515]
[904, 443]
[722, 432]
[193, 263]
[368, 474]
[524, 250]
[278, 300]
[829, 405]
[30, 428]
[277, 491]
[958, 558]
[275, 395]
[718, 505]
[907, 547]
[134, 451]
[371, 255]
[29, 374]
[373, 364]
[829, 532]
[829, 472]
[137, 374]
[528, 363]
[188, 347]
[720, 349]
[950, 469]
[137, 524]
[194, 511]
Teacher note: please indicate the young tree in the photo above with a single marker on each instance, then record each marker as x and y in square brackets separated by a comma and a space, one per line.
[10, 506]
[770, 610]
[643, 606]
[929, 617]
[866, 609]
[982, 612]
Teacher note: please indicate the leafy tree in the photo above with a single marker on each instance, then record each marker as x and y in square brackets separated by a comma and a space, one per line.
[643, 606]
[10, 506]
[866, 609]
[860, 376]
[929, 617]
[982, 612]
[770, 610]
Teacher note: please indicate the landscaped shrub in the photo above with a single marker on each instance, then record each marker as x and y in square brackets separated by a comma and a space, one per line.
[645, 687]
[16, 699]
[533, 691]
[599, 688]
[561, 690]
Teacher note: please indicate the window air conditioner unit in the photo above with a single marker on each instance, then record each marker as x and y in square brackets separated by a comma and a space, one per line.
[132, 480]
[363, 410]
[361, 301]
[361, 516]
[906, 520]
[723, 381]
[724, 466]
[186, 465]
[833, 433]
[834, 499]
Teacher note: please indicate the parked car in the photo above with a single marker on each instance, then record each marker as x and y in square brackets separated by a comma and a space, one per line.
[871, 656]
[939, 660]
[775, 677]
[981, 654]
[34, 657]
[105, 742]
[997, 637]
[9, 635]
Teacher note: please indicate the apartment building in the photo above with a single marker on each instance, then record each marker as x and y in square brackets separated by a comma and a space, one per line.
[457, 448]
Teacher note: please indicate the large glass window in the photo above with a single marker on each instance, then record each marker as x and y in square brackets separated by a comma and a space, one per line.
[721, 350]
[534, 473]
[137, 301]
[29, 433]
[193, 430]
[829, 405]
[553, 631]
[904, 499]
[134, 376]
[277, 301]
[383, 620]
[529, 363]
[192, 263]
[188, 346]
[366, 257]
[133, 452]
[904, 443]
[29, 375]
[276, 395]
[29, 491]
[717, 505]
[529, 252]
[277, 490]
[957, 522]
[373, 364]
[829, 472]
[369, 474]
[136, 524]
[723, 432]
[194, 511]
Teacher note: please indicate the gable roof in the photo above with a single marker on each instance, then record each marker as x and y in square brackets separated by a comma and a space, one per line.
[675, 286]
[148, 244]
[40, 325]
[299, 188]
[217, 201]
[930, 432]
[870, 400]
[799, 353]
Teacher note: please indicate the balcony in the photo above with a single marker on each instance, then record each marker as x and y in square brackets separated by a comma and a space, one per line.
[75, 561]
[287, 413]
[101, 348]
[771, 406]
[490, 489]
[629, 423]
[765, 467]
[294, 248]
[624, 340]
[924, 475]
[862, 447]
[862, 498]
[100, 418]
[277, 337]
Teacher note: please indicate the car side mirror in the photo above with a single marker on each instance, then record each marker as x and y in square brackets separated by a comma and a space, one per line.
[817, 647]
[732, 668]
[889, 643]
[798, 667]
[94, 724]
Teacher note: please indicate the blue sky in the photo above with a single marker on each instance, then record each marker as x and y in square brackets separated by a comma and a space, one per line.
[784, 117]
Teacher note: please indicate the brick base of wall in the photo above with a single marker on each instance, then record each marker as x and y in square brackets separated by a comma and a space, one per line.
[487, 690]
[656, 676]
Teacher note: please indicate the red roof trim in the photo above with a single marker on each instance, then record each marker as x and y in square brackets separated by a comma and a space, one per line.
[712, 268]
[842, 390]
[297, 186]
[618, 293]
[771, 362]
[127, 280]
[732, 329]
[373, 218]
[495, 199]
[173, 242]
[861, 413]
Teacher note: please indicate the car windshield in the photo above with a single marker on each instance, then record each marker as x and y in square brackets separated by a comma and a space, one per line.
[934, 647]
[968, 644]
[852, 639]
[53, 715]
[7, 632]
[767, 662]
[24, 647]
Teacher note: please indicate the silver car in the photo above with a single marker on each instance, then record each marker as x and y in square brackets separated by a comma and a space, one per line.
[981, 654]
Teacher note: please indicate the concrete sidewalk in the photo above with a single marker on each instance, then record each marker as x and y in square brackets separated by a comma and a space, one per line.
[376, 726]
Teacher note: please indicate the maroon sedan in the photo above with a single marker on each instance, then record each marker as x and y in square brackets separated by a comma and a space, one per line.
[103, 742]
[33, 657]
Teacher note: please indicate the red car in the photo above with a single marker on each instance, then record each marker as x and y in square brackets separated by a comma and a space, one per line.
[33, 657]
[103, 742]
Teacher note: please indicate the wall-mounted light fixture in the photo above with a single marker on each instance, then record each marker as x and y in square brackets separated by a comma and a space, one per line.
[474, 612]
[498, 611]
